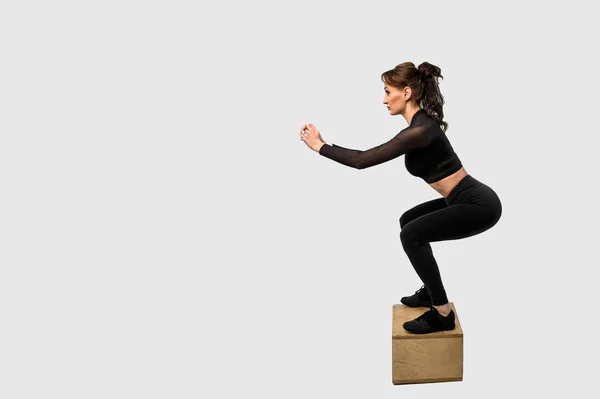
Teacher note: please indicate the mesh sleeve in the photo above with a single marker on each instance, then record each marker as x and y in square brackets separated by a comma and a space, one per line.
[407, 139]
[339, 146]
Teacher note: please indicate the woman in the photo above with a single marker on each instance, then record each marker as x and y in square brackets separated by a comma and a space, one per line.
[467, 207]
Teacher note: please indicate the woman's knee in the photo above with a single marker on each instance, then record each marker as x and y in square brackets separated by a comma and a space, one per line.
[408, 238]
[403, 220]
[421, 210]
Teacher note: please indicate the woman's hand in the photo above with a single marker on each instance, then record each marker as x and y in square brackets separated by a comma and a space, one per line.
[311, 137]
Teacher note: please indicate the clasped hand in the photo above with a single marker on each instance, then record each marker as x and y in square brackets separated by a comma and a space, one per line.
[311, 137]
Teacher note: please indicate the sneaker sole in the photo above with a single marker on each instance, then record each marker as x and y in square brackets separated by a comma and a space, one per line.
[428, 332]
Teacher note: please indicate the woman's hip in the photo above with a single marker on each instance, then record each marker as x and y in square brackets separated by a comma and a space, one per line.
[472, 191]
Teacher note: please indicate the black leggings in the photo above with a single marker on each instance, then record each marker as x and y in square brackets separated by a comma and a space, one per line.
[470, 208]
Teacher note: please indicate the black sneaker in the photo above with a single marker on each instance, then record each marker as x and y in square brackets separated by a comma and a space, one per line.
[420, 299]
[430, 321]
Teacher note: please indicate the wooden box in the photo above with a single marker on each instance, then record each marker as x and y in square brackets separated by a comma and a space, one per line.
[419, 358]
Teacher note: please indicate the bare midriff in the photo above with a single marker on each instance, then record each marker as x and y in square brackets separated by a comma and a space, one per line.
[446, 185]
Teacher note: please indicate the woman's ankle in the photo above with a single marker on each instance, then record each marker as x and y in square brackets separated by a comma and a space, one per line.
[444, 310]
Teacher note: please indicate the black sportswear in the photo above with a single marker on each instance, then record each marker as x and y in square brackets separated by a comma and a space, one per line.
[429, 154]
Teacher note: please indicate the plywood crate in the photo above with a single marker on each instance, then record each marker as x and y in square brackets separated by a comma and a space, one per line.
[420, 358]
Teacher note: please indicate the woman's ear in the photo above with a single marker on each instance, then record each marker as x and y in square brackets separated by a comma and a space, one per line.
[407, 93]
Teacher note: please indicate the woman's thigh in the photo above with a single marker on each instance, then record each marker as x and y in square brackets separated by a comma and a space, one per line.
[476, 211]
[422, 209]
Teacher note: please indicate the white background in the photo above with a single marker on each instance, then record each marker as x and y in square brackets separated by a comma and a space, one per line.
[164, 233]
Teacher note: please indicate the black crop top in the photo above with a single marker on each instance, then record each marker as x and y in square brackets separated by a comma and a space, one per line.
[429, 154]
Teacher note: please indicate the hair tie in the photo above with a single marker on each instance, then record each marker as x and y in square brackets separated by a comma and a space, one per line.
[425, 72]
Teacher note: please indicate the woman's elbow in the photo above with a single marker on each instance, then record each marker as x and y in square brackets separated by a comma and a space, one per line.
[361, 165]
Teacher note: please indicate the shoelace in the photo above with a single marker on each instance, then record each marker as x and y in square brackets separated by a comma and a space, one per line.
[420, 289]
[426, 314]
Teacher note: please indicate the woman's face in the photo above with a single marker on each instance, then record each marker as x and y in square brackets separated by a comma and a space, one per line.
[395, 99]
